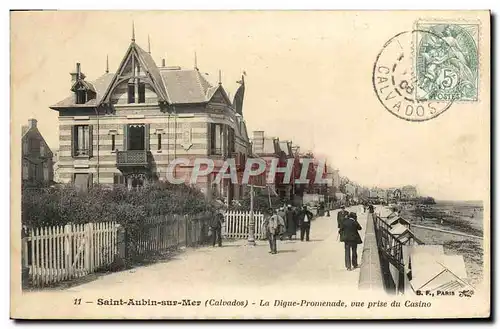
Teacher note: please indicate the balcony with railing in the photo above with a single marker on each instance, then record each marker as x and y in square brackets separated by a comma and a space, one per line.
[132, 158]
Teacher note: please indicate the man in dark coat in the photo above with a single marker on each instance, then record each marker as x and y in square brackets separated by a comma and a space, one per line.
[290, 222]
[340, 217]
[216, 228]
[305, 217]
[351, 238]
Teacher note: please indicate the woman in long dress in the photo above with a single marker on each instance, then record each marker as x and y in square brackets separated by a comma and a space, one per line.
[291, 222]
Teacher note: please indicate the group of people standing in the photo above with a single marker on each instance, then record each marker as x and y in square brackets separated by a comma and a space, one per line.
[284, 222]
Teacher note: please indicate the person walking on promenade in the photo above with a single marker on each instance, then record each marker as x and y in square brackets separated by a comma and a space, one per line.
[290, 222]
[282, 213]
[305, 217]
[216, 227]
[351, 238]
[340, 217]
[273, 226]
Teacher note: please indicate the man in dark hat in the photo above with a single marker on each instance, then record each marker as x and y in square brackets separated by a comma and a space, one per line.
[340, 217]
[351, 238]
[216, 227]
[273, 226]
[305, 217]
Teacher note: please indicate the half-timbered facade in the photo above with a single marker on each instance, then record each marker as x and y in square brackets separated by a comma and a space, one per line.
[127, 127]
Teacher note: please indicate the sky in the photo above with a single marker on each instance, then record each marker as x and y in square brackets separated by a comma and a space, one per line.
[308, 79]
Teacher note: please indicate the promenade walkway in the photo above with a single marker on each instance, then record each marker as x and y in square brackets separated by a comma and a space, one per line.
[319, 262]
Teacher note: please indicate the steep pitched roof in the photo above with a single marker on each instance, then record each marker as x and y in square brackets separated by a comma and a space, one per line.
[172, 85]
[186, 86]
[243, 129]
[84, 84]
[34, 131]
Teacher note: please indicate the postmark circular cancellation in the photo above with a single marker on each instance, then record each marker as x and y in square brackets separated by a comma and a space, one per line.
[419, 74]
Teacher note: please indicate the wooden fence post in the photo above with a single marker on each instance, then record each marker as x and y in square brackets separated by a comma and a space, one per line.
[186, 230]
[87, 237]
[25, 271]
[68, 249]
[121, 242]
[178, 233]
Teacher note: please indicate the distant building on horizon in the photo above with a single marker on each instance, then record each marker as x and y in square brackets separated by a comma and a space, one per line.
[409, 192]
[378, 192]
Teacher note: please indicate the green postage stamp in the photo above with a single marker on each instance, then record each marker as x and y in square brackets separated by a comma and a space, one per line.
[447, 61]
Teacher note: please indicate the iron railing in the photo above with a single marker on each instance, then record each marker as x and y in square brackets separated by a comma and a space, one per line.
[132, 158]
[389, 245]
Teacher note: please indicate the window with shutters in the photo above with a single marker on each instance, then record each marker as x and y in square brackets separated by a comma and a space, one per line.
[45, 171]
[82, 140]
[118, 179]
[34, 146]
[216, 138]
[25, 146]
[33, 172]
[26, 169]
[231, 142]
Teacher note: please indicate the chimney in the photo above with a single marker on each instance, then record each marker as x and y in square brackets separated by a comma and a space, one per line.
[163, 62]
[258, 140]
[258, 134]
[75, 76]
[32, 123]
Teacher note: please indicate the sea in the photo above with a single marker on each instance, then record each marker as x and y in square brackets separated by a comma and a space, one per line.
[459, 216]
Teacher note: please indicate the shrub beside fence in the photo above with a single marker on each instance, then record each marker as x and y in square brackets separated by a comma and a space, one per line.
[162, 233]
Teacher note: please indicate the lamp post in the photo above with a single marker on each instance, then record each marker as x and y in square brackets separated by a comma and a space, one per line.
[251, 224]
[98, 144]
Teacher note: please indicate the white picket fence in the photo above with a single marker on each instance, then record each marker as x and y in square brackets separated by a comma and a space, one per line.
[237, 223]
[59, 253]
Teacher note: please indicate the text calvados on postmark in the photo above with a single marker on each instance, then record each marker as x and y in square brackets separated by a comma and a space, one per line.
[419, 74]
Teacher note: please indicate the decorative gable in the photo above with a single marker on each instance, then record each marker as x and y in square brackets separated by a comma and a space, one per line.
[136, 77]
[220, 97]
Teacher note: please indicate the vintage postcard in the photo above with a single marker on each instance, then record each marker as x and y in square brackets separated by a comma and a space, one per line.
[250, 164]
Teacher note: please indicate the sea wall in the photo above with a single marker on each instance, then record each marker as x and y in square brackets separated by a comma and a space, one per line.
[370, 275]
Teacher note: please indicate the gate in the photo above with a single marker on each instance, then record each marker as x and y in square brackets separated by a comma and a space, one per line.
[58, 253]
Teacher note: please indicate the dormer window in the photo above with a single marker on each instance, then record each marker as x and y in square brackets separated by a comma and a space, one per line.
[84, 91]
